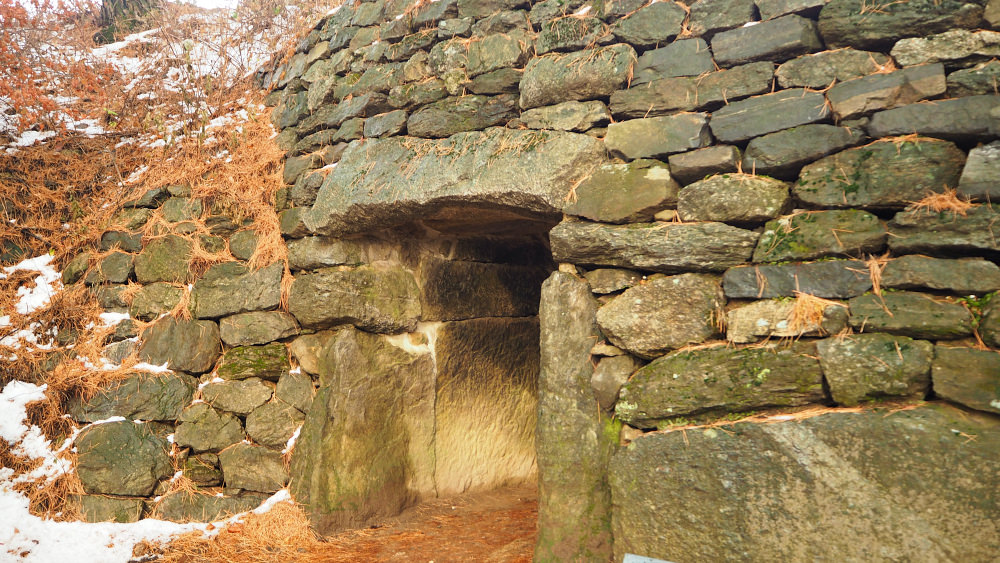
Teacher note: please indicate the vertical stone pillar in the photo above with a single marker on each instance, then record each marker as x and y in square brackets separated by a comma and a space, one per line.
[574, 442]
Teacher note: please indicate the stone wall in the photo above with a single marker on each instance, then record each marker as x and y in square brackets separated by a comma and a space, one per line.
[755, 208]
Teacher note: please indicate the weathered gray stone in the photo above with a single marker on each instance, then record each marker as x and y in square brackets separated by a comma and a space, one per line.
[273, 424]
[585, 75]
[295, 389]
[962, 119]
[454, 27]
[567, 116]
[121, 240]
[385, 124]
[861, 367]
[253, 468]
[832, 279]
[502, 81]
[257, 327]
[774, 40]
[962, 276]
[116, 352]
[806, 236]
[310, 253]
[819, 70]
[502, 21]
[333, 115]
[154, 299]
[910, 314]
[549, 9]
[109, 297]
[177, 209]
[164, 260]
[836, 483]
[989, 325]
[669, 95]
[230, 288]
[609, 376]
[955, 46]
[243, 244]
[307, 348]
[944, 234]
[269, 361]
[291, 223]
[851, 23]
[480, 55]
[203, 428]
[574, 440]
[76, 268]
[710, 16]
[695, 165]
[184, 507]
[659, 247]
[686, 57]
[657, 137]
[773, 8]
[885, 91]
[610, 280]
[121, 458]
[979, 80]
[139, 397]
[239, 397]
[381, 300]
[461, 113]
[484, 8]
[190, 346]
[114, 268]
[765, 114]
[569, 34]
[366, 447]
[784, 153]
[650, 26]
[980, 177]
[720, 379]
[295, 167]
[740, 199]
[96, 508]
[454, 290]
[203, 469]
[150, 199]
[967, 376]
[624, 193]
[663, 314]
[131, 219]
[426, 180]
[889, 173]
[778, 318]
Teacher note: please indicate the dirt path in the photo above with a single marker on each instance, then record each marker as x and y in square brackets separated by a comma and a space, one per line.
[494, 526]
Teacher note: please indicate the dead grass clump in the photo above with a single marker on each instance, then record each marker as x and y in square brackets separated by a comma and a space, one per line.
[946, 201]
[808, 312]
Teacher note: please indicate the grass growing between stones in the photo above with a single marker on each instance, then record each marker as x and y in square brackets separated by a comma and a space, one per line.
[947, 201]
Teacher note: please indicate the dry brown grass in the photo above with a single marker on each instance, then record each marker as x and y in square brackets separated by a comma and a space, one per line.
[947, 201]
[808, 311]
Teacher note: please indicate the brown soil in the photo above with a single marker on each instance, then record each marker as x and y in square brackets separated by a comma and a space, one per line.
[493, 526]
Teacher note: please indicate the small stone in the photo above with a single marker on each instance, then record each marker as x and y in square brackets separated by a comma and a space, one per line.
[972, 118]
[121, 240]
[239, 397]
[846, 23]
[650, 26]
[739, 199]
[861, 367]
[624, 193]
[185, 345]
[203, 428]
[710, 16]
[243, 244]
[257, 327]
[773, 40]
[658, 137]
[884, 91]
[567, 116]
[386, 124]
[266, 362]
[296, 389]
[910, 314]
[553, 79]
[698, 164]
[231, 288]
[139, 397]
[379, 300]
[254, 468]
[203, 470]
[831, 279]
[708, 91]
[307, 348]
[980, 177]
[769, 113]
[955, 46]
[164, 259]
[96, 508]
[806, 236]
[963, 276]
[569, 34]
[819, 70]
[784, 153]
[273, 424]
[121, 458]
[772, 318]
[944, 234]
[610, 280]
[609, 376]
[177, 209]
[114, 268]
[463, 113]
[76, 268]
[979, 80]
[686, 57]
[155, 299]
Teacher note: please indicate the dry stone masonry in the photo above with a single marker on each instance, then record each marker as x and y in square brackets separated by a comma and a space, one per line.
[567, 239]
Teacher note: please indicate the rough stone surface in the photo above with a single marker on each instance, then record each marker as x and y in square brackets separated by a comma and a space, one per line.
[806, 236]
[961, 119]
[257, 327]
[698, 164]
[910, 314]
[139, 397]
[967, 376]
[366, 438]
[609, 376]
[962, 276]
[980, 177]
[832, 279]
[164, 260]
[567, 116]
[740, 199]
[203, 469]
[553, 79]
[686, 57]
[253, 468]
[657, 137]
[663, 314]
[239, 397]
[861, 367]
[154, 299]
[776, 318]
[269, 361]
[121, 458]
[775, 40]
[720, 379]
[381, 300]
[769, 113]
[114, 268]
[659, 247]
[190, 346]
[311, 253]
[846, 23]
[574, 440]
[462, 113]
[230, 288]
[273, 424]
[784, 153]
[944, 234]
[885, 91]
[670, 95]
[610, 280]
[951, 47]
[203, 428]
[977, 81]
[710, 16]
[837, 483]
[888, 173]
[651, 26]
[819, 70]
[76, 268]
[95, 508]
[296, 389]
[182, 507]
[500, 174]
[306, 349]
[624, 193]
